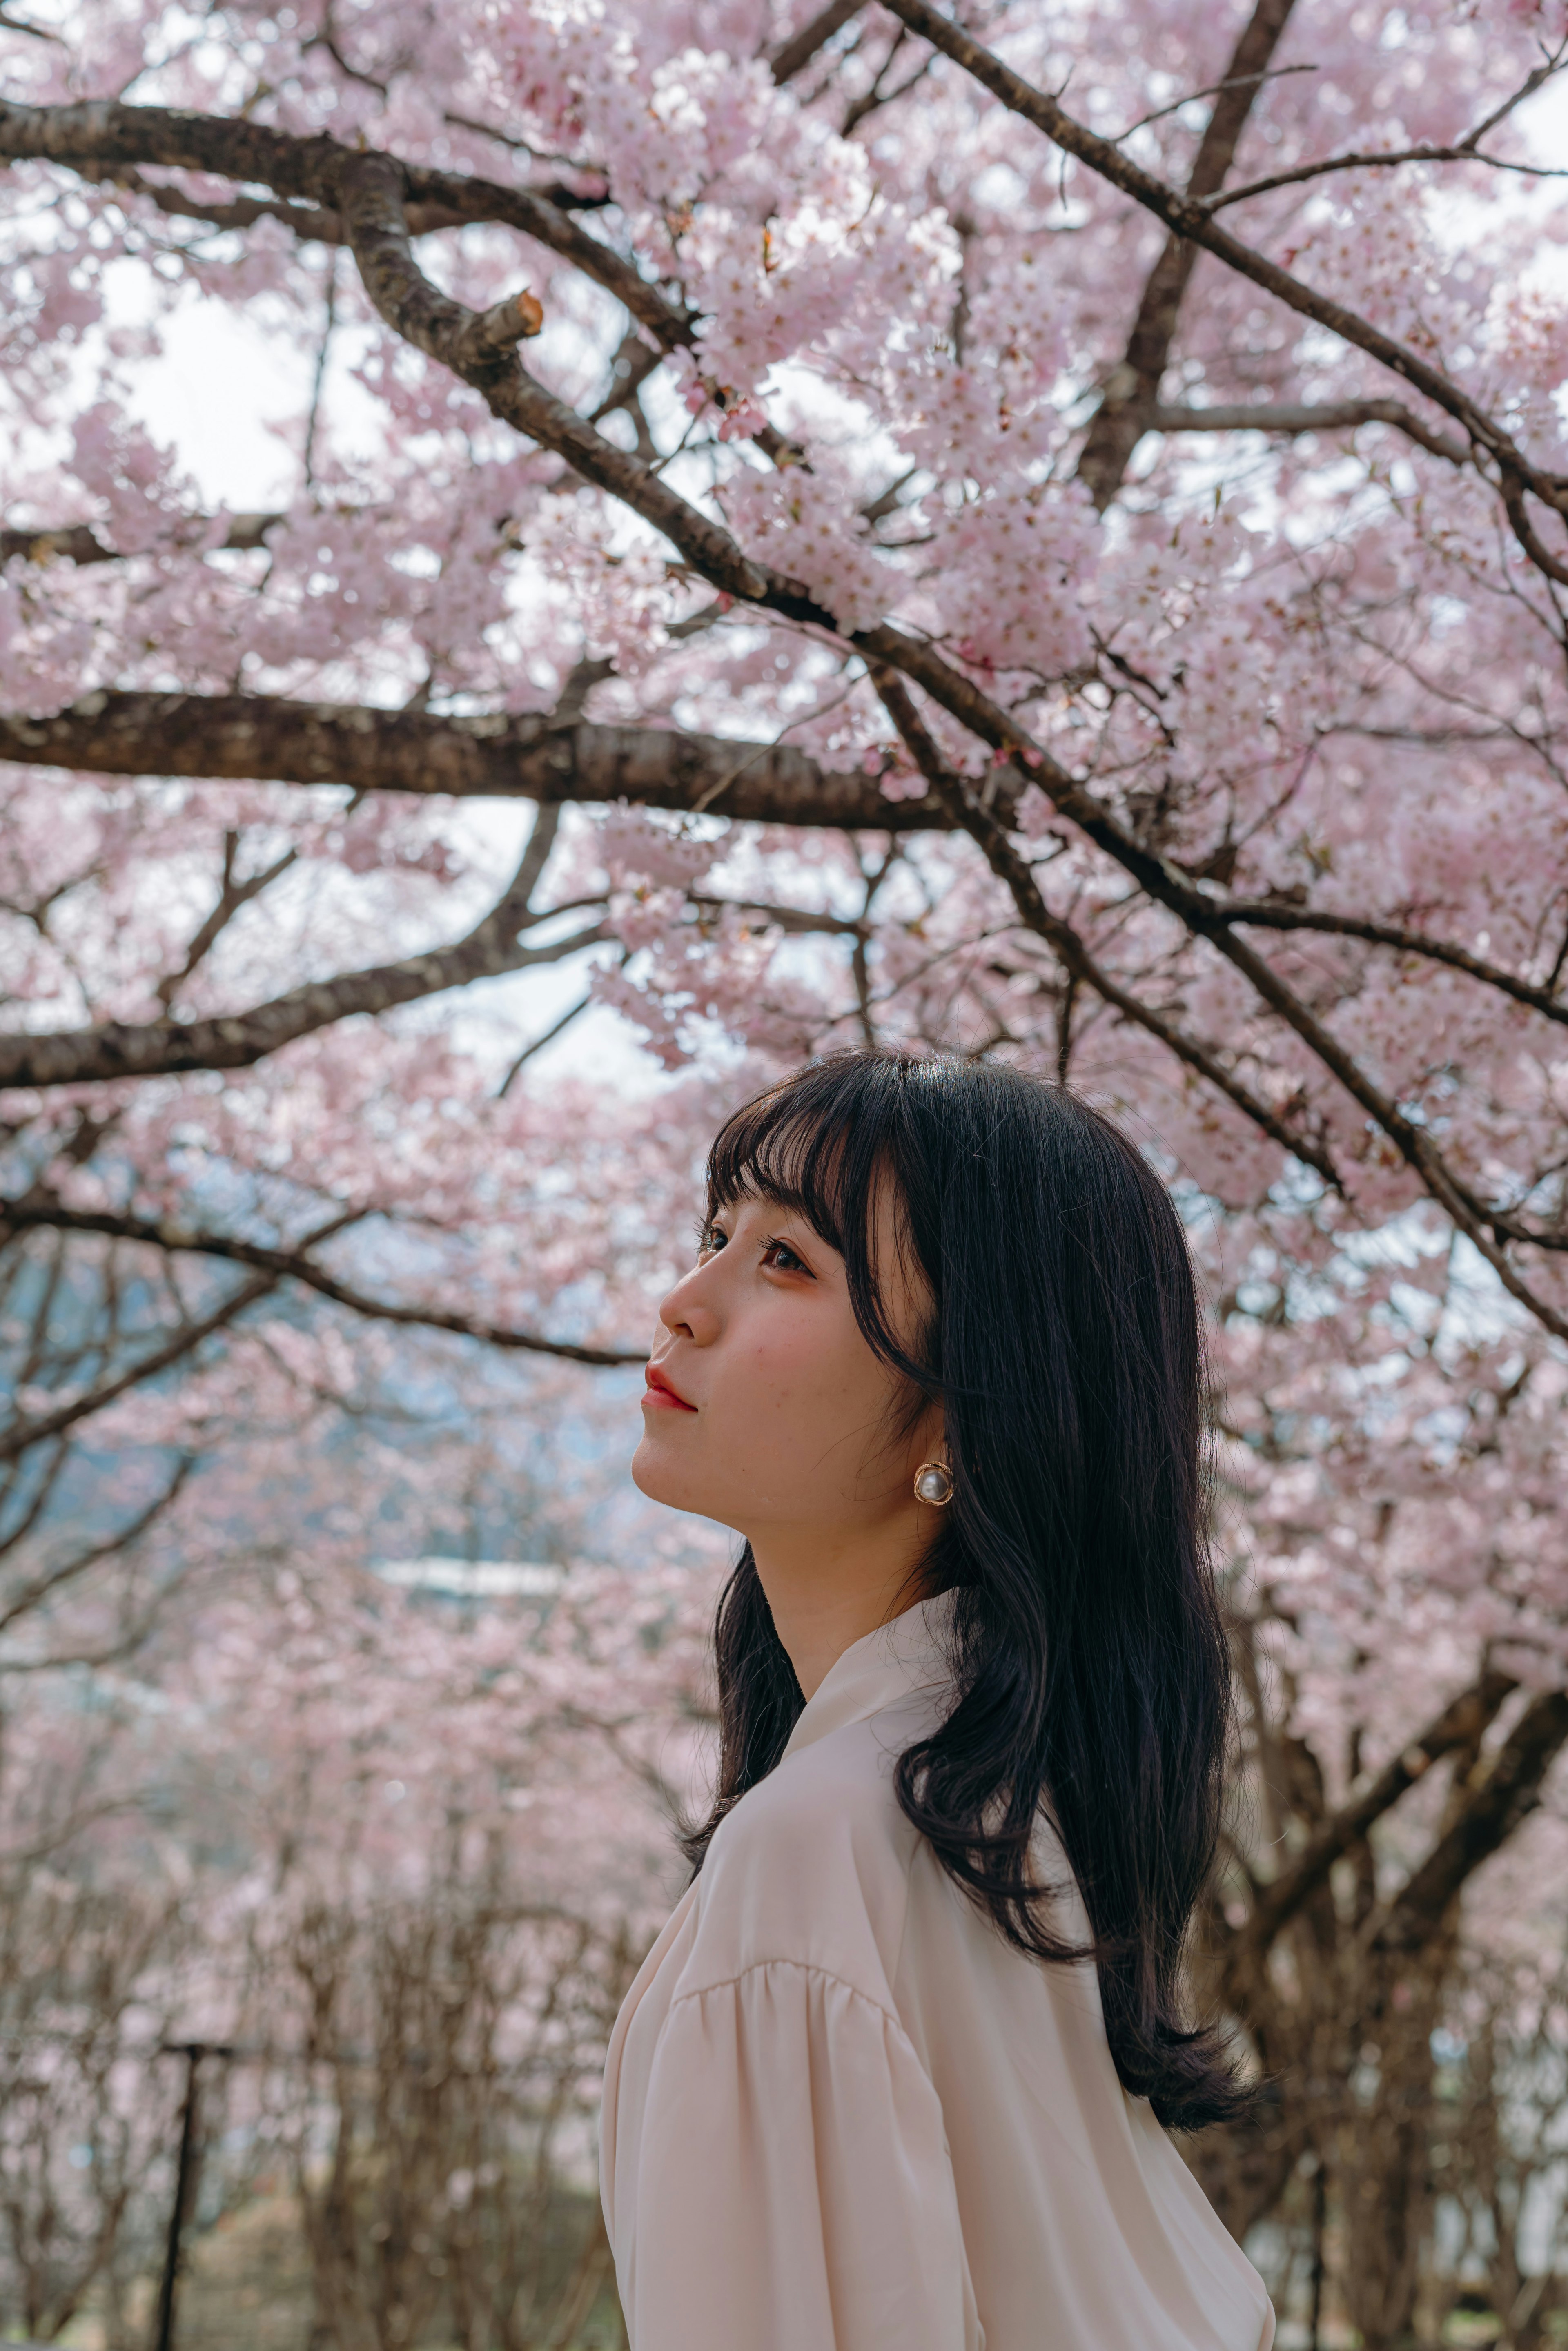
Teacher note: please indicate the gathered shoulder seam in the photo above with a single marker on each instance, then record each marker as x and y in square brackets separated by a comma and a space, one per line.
[802, 1967]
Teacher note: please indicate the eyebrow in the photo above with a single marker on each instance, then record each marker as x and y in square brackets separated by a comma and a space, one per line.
[749, 1198]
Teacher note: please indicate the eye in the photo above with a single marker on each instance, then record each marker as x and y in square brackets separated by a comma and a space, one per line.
[710, 1238]
[782, 1257]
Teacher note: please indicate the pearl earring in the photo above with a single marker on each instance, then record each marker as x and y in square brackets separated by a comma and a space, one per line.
[934, 1483]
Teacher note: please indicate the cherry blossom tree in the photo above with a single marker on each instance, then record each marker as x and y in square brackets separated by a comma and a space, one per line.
[1040, 534]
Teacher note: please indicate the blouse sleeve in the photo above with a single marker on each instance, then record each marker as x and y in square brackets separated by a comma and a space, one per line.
[794, 2191]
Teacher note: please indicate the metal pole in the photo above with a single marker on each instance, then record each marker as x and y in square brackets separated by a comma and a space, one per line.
[1320, 2221]
[192, 2053]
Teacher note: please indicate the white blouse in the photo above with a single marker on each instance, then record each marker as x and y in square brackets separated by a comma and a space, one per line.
[841, 2114]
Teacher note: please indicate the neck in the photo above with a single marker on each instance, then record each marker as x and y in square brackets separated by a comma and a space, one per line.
[827, 1592]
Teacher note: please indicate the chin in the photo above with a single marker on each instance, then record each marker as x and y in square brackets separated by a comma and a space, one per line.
[679, 1485]
[655, 1475]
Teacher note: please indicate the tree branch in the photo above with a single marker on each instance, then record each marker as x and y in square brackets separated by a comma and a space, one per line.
[1305, 416]
[410, 303]
[1364, 162]
[799, 920]
[103, 135]
[537, 1044]
[1480, 1221]
[1262, 913]
[79, 543]
[1460, 1724]
[40, 1588]
[1464, 151]
[236, 1040]
[99, 137]
[42, 1211]
[1135, 384]
[997, 847]
[792, 56]
[245, 737]
[232, 896]
[22, 1433]
[1187, 217]
[37, 1502]
[370, 190]
[1502, 1791]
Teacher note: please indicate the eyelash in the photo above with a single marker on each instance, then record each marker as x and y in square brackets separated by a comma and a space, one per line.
[770, 1242]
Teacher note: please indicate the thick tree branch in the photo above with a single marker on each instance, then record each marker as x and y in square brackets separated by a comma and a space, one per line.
[79, 543]
[100, 138]
[370, 190]
[1501, 1791]
[245, 737]
[42, 1210]
[1458, 1725]
[1188, 217]
[792, 56]
[1135, 384]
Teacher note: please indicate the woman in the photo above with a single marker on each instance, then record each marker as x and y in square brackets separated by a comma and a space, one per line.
[893, 2077]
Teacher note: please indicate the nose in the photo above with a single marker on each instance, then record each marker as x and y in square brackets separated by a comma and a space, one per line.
[687, 1310]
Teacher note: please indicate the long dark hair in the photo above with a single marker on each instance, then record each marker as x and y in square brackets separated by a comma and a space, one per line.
[1089, 1659]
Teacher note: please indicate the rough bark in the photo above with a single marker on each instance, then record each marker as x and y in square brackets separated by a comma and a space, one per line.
[249, 737]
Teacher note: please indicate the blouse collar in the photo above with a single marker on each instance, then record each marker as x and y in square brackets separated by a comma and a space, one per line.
[907, 1654]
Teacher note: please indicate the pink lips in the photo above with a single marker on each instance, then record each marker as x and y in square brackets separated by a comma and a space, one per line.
[659, 1392]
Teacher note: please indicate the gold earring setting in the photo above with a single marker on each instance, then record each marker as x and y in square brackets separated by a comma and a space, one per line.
[934, 1484]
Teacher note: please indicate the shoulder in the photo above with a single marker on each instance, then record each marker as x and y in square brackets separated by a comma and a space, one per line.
[811, 1867]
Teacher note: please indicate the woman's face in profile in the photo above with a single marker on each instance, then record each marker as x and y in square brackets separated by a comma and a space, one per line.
[766, 1406]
